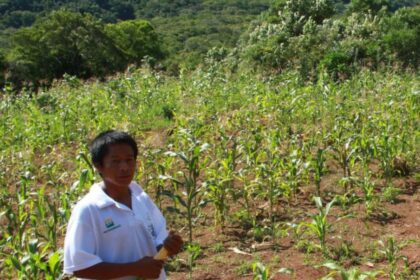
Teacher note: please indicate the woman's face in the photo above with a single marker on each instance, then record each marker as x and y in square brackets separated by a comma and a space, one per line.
[118, 166]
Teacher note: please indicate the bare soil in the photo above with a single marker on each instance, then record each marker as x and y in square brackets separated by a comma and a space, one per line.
[351, 229]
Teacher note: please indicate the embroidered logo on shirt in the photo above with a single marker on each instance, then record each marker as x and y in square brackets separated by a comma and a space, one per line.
[110, 225]
[109, 222]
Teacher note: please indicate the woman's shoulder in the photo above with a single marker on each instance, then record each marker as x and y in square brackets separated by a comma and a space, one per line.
[139, 193]
[137, 190]
[88, 203]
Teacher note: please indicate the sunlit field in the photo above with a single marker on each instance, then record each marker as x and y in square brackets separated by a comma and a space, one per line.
[262, 176]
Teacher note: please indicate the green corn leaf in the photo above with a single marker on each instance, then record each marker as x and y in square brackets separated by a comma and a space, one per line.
[53, 261]
[329, 205]
[318, 202]
[172, 209]
[332, 265]
[15, 262]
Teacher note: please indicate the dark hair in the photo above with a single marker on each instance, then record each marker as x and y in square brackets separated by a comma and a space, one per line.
[100, 145]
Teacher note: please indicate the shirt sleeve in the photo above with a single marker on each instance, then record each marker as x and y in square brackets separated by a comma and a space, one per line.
[79, 247]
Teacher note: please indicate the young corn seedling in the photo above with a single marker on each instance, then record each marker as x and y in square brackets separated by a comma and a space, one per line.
[247, 191]
[368, 189]
[353, 273]
[346, 156]
[260, 271]
[220, 182]
[295, 169]
[52, 223]
[391, 250]
[342, 142]
[251, 145]
[154, 170]
[194, 251]
[387, 147]
[268, 175]
[319, 224]
[366, 148]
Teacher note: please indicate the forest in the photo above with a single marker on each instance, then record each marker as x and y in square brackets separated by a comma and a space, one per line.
[43, 40]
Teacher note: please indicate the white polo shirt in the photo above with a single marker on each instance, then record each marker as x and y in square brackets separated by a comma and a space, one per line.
[103, 230]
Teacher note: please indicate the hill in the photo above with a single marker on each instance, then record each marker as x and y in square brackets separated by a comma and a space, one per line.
[188, 27]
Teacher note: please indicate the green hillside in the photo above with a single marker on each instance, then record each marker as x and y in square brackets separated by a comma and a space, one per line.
[96, 39]
[187, 28]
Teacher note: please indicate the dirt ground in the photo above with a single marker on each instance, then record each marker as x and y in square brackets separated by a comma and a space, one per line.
[353, 240]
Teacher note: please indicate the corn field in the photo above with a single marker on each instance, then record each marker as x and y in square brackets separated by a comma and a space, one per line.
[217, 152]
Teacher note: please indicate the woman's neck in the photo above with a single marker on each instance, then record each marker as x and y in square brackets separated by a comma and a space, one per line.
[120, 195]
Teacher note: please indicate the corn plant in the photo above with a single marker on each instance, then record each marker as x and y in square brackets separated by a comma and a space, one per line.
[386, 146]
[319, 168]
[192, 166]
[194, 251]
[345, 147]
[392, 252]
[247, 191]
[346, 156]
[217, 192]
[353, 273]
[221, 177]
[155, 166]
[268, 175]
[252, 144]
[366, 147]
[295, 169]
[37, 262]
[53, 223]
[368, 189]
[260, 271]
[319, 224]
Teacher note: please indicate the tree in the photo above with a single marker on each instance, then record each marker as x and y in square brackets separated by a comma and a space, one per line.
[364, 6]
[63, 42]
[136, 38]
[295, 13]
[18, 19]
[403, 36]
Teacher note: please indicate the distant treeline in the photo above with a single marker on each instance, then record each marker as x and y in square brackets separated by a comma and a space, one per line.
[187, 26]
[98, 38]
[76, 44]
[310, 37]
[186, 29]
[20, 13]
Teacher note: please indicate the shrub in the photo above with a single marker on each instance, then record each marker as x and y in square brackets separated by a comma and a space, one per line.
[337, 64]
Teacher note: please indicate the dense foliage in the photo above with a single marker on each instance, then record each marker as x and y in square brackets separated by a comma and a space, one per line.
[21, 13]
[316, 41]
[186, 29]
[313, 37]
[76, 44]
[24, 12]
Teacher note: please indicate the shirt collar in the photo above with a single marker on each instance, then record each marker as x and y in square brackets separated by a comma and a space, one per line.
[102, 200]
